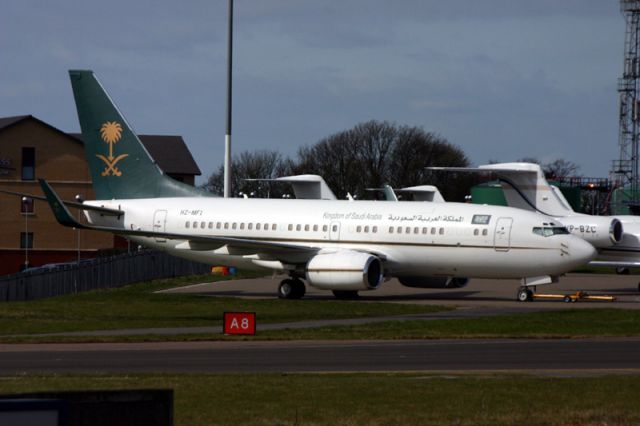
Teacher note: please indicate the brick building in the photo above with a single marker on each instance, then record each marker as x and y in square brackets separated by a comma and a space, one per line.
[31, 149]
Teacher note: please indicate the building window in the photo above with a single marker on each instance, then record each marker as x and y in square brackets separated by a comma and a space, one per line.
[28, 163]
[26, 240]
[26, 205]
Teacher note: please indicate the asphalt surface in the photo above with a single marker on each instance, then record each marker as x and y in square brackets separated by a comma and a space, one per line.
[480, 298]
[479, 294]
[322, 356]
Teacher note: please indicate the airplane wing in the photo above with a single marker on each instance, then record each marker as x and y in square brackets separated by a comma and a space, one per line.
[193, 242]
[307, 187]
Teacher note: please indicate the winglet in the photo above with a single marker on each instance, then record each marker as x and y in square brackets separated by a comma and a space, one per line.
[60, 211]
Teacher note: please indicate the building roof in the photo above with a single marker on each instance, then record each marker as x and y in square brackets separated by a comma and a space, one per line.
[170, 152]
[8, 121]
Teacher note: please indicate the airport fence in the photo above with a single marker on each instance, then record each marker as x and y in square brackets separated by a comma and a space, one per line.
[94, 274]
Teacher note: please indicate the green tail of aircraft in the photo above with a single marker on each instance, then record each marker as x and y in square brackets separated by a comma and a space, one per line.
[121, 167]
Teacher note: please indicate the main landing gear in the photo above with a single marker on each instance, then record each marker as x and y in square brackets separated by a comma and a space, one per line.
[291, 288]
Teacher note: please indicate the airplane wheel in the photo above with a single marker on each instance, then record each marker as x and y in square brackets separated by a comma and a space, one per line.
[567, 299]
[286, 289]
[291, 289]
[299, 289]
[525, 295]
[345, 294]
[622, 271]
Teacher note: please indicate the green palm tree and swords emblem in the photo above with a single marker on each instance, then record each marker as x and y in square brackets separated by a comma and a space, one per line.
[111, 132]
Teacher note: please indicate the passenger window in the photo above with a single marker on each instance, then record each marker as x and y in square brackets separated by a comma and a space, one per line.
[391, 229]
[242, 226]
[335, 228]
[306, 228]
[210, 225]
[257, 226]
[249, 226]
[407, 230]
[424, 230]
[358, 229]
[226, 225]
[374, 230]
[290, 227]
[218, 225]
[399, 229]
[315, 228]
[298, 227]
[416, 230]
[187, 224]
[441, 231]
[324, 228]
[266, 227]
[274, 227]
[433, 231]
[366, 229]
[202, 225]
[476, 231]
[484, 232]
[233, 226]
[195, 224]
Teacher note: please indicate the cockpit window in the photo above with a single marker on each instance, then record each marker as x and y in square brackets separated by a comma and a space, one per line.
[548, 231]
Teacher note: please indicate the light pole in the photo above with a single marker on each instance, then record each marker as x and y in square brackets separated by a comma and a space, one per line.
[79, 199]
[227, 137]
[25, 206]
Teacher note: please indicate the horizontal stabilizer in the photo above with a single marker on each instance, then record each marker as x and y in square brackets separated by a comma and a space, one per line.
[103, 210]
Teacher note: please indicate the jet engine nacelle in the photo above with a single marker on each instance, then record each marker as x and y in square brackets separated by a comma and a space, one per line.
[600, 231]
[433, 282]
[344, 270]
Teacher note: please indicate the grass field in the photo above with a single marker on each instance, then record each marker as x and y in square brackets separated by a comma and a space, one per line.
[137, 306]
[373, 399]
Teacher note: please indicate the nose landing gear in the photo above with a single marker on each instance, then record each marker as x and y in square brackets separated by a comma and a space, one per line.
[525, 294]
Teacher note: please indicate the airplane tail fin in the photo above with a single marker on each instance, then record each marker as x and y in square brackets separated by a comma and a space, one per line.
[120, 165]
[524, 187]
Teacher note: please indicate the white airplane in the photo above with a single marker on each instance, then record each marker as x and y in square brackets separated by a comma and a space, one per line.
[617, 238]
[332, 244]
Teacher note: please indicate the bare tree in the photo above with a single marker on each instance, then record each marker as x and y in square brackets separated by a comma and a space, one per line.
[370, 154]
[251, 165]
[560, 169]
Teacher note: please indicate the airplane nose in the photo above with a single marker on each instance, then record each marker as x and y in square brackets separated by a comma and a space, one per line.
[581, 251]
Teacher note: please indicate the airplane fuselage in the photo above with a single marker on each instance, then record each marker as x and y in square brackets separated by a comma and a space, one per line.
[412, 238]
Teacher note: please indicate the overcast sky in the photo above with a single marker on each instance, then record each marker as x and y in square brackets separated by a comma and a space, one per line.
[502, 79]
